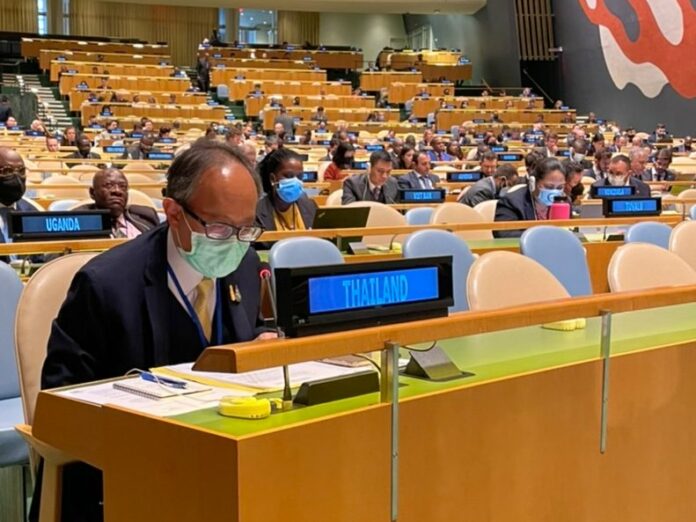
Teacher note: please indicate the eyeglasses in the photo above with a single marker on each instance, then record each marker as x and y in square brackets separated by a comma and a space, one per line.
[222, 231]
[8, 171]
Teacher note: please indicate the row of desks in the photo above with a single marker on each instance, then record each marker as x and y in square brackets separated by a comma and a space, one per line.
[447, 118]
[240, 89]
[31, 47]
[48, 55]
[172, 112]
[226, 76]
[78, 96]
[101, 69]
[253, 105]
[422, 106]
[348, 115]
[406, 59]
[68, 83]
[376, 80]
[260, 63]
[323, 59]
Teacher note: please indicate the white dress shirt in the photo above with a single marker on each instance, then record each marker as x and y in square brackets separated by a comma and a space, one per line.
[187, 276]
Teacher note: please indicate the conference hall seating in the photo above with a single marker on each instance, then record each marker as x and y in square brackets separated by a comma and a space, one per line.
[46, 56]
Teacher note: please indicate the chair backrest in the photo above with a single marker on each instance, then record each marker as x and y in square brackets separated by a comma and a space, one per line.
[139, 166]
[9, 297]
[81, 191]
[639, 266]
[649, 232]
[419, 215]
[63, 204]
[303, 251]
[683, 242]
[692, 213]
[334, 199]
[517, 187]
[136, 197]
[428, 243]
[562, 254]
[38, 305]
[460, 213]
[321, 169]
[503, 279]
[487, 209]
[381, 215]
[686, 208]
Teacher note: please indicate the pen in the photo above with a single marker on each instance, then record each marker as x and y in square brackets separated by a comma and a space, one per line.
[174, 383]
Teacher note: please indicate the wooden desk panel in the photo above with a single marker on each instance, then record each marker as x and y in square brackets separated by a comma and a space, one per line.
[324, 59]
[403, 60]
[446, 118]
[453, 73]
[259, 63]
[422, 106]
[68, 83]
[400, 92]
[78, 97]
[153, 111]
[349, 115]
[240, 89]
[374, 81]
[47, 55]
[226, 76]
[253, 105]
[113, 69]
[31, 47]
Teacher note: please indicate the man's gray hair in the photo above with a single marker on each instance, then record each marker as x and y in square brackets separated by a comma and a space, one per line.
[185, 171]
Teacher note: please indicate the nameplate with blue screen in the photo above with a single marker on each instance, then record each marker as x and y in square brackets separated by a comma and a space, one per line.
[360, 165]
[160, 155]
[510, 156]
[28, 226]
[421, 195]
[355, 291]
[114, 149]
[374, 148]
[499, 148]
[612, 192]
[631, 206]
[167, 140]
[313, 300]
[310, 176]
[464, 176]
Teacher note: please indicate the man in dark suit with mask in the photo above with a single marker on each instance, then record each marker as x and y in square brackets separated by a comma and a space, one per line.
[165, 296]
[376, 185]
[490, 187]
[13, 182]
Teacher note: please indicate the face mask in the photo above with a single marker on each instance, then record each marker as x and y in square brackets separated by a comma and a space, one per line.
[578, 157]
[214, 257]
[11, 189]
[617, 181]
[289, 189]
[546, 196]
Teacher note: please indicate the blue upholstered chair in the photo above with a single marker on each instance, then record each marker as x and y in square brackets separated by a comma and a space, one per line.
[649, 232]
[562, 254]
[419, 216]
[223, 92]
[13, 449]
[428, 243]
[692, 213]
[303, 251]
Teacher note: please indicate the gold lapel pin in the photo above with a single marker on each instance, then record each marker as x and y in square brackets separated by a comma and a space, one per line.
[235, 294]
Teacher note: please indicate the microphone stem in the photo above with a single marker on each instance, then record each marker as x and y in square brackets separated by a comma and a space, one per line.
[287, 391]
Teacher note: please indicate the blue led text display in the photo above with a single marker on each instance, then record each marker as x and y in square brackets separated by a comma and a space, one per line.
[61, 224]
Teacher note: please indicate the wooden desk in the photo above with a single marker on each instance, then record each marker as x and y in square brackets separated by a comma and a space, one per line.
[226, 76]
[348, 115]
[400, 92]
[519, 440]
[423, 106]
[404, 60]
[31, 47]
[240, 89]
[323, 59]
[68, 82]
[253, 105]
[447, 118]
[116, 69]
[166, 112]
[78, 97]
[47, 55]
[376, 80]
[260, 63]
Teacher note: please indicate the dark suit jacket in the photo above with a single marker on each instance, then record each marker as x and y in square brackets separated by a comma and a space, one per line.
[514, 206]
[288, 123]
[647, 175]
[642, 190]
[141, 217]
[77, 155]
[410, 180]
[357, 188]
[133, 153]
[118, 314]
[483, 190]
[21, 205]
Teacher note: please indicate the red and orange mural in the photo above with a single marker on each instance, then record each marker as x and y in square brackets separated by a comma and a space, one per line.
[664, 51]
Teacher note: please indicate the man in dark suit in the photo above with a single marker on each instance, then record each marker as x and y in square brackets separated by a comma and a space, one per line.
[84, 150]
[110, 192]
[660, 170]
[490, 187]
[286, 121]
[619, 176]
[165, 296]
[376, 185]
[5, 109]
[601, 165]
[420, 177]
[13, 182]
[141, 149]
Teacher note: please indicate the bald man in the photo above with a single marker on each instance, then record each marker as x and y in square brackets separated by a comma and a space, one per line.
[13, 181]
[109, 191]
[165, 296]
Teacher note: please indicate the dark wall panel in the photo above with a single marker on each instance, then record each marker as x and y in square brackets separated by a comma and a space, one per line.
[586, 82]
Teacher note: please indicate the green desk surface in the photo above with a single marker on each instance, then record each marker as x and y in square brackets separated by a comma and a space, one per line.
[494, 356]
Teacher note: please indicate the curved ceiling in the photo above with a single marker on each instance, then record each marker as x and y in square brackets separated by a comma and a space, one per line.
[343, 6]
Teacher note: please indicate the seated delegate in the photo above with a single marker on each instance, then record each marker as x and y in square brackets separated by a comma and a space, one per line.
[528, 204]
[619, 176]
[491, 187]
[420, 177]
[342, 160]
[375, 185]
[109, 191]
[284, 205]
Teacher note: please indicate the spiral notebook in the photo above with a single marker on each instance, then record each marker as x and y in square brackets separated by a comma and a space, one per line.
[154, 390]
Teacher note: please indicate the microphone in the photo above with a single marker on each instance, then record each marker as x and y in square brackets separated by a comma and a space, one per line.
[265, 275]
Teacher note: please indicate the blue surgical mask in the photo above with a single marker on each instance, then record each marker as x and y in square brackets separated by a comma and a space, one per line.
[214, 257]
[546, 196]
[289, 189]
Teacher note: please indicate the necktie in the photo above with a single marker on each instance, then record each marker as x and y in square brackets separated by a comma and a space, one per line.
[200, 306]
[425, 182]
[376, 192]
